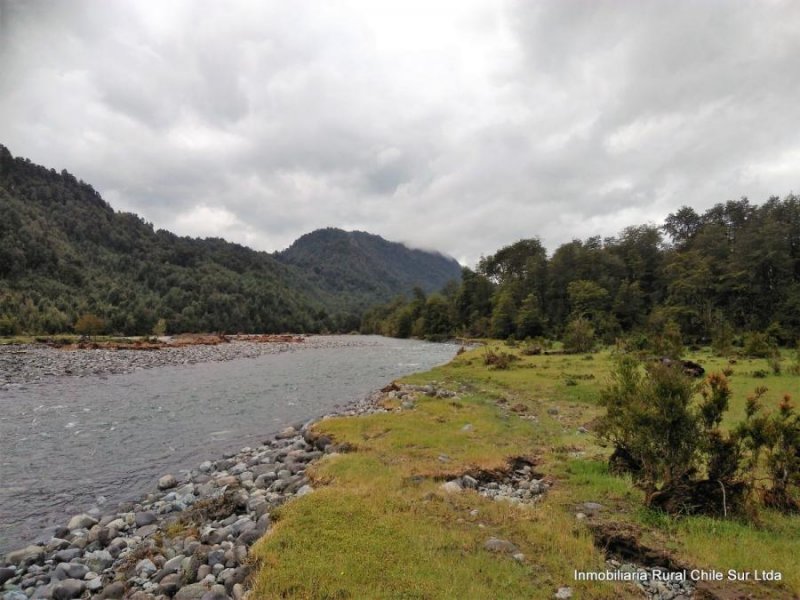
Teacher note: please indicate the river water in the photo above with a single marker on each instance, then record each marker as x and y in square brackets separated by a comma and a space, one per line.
[71, 444]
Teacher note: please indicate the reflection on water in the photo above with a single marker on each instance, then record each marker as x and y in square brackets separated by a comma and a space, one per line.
[72, 443]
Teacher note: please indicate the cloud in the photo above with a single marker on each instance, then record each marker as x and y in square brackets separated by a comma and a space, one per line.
[460, 126]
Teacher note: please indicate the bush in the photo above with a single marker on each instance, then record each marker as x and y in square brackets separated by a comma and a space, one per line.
[579, 336]
[669, 341]
[774, 440]
[676, 452]
[160, 328]
[672, 445]
[758, 345]
[498, 360]
[9, 326]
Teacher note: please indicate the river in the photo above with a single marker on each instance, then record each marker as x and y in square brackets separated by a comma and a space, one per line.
[70, 444]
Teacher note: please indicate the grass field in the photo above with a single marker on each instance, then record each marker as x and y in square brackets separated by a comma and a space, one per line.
[380, 526]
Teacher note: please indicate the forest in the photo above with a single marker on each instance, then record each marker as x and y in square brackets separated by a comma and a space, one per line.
[730, 274]
[70, 262]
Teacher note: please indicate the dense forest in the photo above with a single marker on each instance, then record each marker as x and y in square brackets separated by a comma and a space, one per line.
[731, 270]
[66, 254]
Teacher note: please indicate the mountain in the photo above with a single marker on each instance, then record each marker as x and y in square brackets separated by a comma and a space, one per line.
[358, 267]
[65, 252]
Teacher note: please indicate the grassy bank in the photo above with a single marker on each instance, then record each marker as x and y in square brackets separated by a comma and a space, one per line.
[380, 525]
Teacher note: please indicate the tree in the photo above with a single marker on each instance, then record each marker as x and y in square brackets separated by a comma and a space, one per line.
[503, 315]
[436, 316]
[587, 299]
[530, 320]
[89, 324]
[682, 225]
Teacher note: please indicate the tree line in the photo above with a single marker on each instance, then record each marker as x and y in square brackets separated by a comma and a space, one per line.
[698, 278]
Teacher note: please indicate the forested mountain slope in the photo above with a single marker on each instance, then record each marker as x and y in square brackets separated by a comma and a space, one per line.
[360, 266]
[65, 252]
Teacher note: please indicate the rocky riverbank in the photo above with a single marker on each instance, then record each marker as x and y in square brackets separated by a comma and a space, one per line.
[188, 540]
[37, 363]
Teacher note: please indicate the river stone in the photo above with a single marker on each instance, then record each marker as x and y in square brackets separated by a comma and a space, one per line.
[217, 592]
[564, 593]
[67, 555]
[83, 521]
[114, 591]
[469, 482]
[451, 487]
[205, 466]
[145, 567]
[14, 595]
[94, 585]
[286, 433]
[170, 584]
[99, 560]
[227, 480]
[591, 507]
[173, 564]
[234, 577]
[194, 591]
[202, 572]
[26, 556]
[56, 544]
[44, 591]
[304, 491]
[70, 571]
[147, 530]
[6, 573]
[166, 482]
[117, 524]
[216, 556]
[144, 518]
[68, 589]
[494, 544]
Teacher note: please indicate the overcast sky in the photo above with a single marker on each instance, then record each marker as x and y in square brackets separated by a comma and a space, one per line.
[460, 126]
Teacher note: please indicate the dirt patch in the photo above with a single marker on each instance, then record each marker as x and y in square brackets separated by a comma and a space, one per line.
[620, 540]
[707, 590]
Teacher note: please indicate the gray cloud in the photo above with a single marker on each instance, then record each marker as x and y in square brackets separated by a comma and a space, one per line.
[458, 126]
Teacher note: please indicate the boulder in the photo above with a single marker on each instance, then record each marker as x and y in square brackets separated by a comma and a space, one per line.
[26, 556]
[494, 544]
[68, 589]
[83, 521]
[167, 481]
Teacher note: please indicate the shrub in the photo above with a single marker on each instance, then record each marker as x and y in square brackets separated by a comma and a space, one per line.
[722, 338]
[160, 328]
[9, 326]
[758, 345]
[498, 360]
[672, 445]
[776, 440]
[669, 341]
[579, 336]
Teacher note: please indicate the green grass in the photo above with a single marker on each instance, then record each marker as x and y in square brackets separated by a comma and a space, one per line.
[379, 526]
